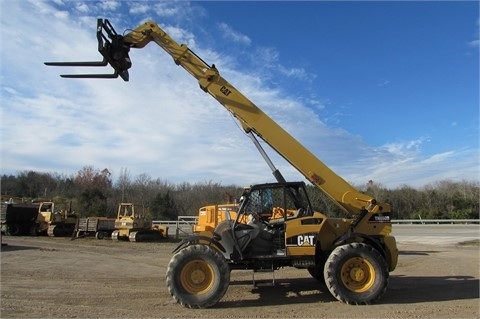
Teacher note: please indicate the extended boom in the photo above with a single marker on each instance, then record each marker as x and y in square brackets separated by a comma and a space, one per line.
[251, 118]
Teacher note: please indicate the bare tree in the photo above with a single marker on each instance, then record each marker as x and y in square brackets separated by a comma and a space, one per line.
[124, 184]
[142, 188]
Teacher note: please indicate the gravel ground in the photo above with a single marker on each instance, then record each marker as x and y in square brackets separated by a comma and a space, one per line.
[45, 277]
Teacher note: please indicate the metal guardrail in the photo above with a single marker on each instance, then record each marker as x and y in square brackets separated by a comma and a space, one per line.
[435, 221]
[183, 226]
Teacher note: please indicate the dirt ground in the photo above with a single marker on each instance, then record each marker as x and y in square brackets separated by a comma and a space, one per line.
[45, 277]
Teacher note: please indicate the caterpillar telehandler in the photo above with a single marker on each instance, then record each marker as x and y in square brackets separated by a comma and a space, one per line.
[353, 255]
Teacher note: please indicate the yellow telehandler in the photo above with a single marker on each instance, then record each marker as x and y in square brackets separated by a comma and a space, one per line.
[353, 255]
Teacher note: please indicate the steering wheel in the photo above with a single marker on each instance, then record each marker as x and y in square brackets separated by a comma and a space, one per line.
[259, 218]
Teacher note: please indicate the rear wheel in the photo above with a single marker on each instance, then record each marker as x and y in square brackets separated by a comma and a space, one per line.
[356, 273]
[13, 230]
[33, 230]
[198, 276]
[100, 235]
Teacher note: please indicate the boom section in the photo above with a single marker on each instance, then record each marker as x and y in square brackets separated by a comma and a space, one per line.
[254, 119]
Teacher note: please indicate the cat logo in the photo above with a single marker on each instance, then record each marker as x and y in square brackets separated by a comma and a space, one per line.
[305, 240]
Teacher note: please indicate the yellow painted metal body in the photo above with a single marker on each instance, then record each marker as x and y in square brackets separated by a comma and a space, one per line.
[50, 214]
[129, 220]
[328, 230]
[210, 216]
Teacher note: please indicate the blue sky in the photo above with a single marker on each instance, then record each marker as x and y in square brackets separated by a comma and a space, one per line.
[383, 91]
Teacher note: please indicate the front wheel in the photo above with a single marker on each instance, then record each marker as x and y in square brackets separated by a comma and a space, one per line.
[356, 274]
[115, 236]
[197, 276]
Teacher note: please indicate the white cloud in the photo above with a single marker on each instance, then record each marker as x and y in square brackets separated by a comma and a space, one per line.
[299, 73]
[175, 10]
[383, 83]
[109, 5]
[400, 148]
[438, 158]
[475, 43]
[232, 35]
[181, 36]
[82, 7]
[138, 8]
[266, 56]
[161, 123]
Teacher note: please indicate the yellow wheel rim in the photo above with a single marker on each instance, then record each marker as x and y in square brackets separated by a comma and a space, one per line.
[197, 277]
[358, 274]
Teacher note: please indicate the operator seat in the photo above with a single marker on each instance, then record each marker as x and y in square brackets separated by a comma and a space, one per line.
[301, 212]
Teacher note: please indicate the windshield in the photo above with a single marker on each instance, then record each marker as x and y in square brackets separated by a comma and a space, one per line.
[274, 200]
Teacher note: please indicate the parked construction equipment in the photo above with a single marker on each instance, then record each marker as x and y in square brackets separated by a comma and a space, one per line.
[134, 225]
[210, 216]
[100, 227]
[37, 218]
[20, 219]
[60, 222]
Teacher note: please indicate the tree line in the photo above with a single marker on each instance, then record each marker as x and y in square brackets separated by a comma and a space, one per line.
[92, 192]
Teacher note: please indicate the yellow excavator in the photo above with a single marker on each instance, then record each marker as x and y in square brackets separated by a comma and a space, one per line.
[353, 255]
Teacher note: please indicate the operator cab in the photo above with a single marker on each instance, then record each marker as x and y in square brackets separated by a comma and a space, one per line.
[259, 228]
[275, 202]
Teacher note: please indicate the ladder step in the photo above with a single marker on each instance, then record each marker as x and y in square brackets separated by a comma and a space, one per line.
[263, 282]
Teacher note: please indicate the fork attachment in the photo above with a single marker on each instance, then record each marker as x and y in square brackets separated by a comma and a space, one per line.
[114, 51]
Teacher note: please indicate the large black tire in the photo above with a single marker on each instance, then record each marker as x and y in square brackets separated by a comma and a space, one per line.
[100, 235]
[13, 230]
[356, 274]
[33, 230]
[198, 276]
